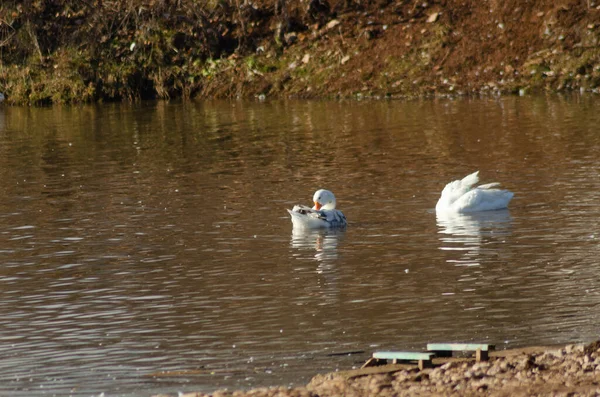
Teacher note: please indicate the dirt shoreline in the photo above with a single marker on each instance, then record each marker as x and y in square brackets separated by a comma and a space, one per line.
[572, 370]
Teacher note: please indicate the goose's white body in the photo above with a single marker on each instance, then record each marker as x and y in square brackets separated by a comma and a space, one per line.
[322, 215]
[461, 197]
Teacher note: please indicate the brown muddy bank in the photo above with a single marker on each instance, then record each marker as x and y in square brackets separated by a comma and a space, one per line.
[573, 370]
[66, 52]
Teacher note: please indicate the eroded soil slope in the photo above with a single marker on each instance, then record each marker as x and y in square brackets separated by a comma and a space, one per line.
[75, 51]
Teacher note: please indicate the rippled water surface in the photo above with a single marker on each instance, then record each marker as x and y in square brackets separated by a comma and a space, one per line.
[146, 249]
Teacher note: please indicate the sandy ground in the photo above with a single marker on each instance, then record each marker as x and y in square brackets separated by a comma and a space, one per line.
[572, 370]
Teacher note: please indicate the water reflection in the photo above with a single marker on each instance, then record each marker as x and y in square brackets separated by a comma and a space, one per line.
[324, 242]
[470, 232]
[475, 224]
[319, 245]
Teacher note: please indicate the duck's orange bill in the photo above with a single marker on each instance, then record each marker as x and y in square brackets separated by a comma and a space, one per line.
[318, 205]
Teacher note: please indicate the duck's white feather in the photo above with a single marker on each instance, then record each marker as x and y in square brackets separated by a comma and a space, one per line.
[460, 196]
[327, 216]
[304, 217]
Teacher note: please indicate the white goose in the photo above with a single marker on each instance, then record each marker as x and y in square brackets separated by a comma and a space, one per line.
[322, 215]
[460, 196]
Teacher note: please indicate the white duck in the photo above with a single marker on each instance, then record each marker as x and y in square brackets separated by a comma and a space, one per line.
[460, 196]
[322, 215]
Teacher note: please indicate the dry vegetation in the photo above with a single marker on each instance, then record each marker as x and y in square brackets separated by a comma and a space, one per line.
[82, 51]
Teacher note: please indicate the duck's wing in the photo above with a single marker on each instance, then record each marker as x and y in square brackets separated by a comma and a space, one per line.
[455, 189]
[306, 217]
[489, 185]
[335, 218]
[484, 200]
[302, 209]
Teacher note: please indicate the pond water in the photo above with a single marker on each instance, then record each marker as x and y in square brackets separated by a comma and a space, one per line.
[147, 249]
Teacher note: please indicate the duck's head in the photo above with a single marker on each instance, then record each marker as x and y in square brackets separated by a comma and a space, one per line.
[324, 200]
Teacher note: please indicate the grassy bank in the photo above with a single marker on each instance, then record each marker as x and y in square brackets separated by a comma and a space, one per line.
[98, 50]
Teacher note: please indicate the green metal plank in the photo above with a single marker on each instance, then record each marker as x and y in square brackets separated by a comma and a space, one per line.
[459, 347]
[403, 356]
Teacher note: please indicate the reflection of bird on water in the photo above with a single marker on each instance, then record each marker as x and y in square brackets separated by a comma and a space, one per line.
[322, 215]
[323, 241]
[467, 232]
[460, 196]
[322, 246]
[474, 224]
